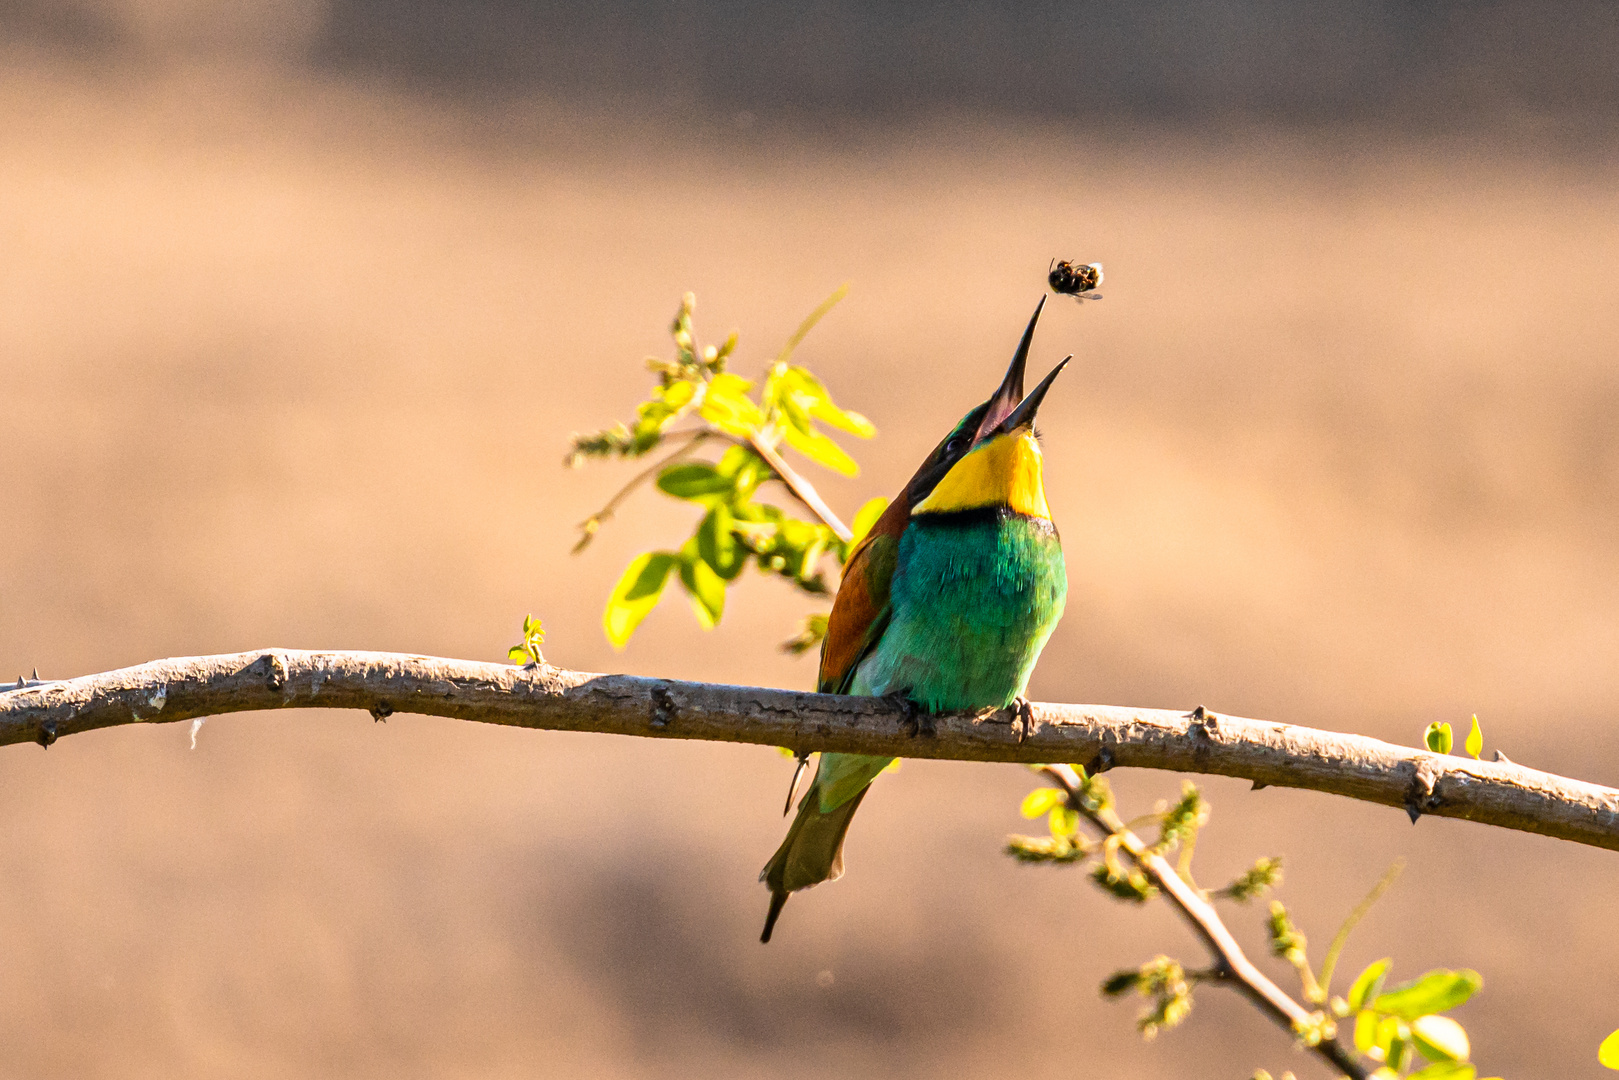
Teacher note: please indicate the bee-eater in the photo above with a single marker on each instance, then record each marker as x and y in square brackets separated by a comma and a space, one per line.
[945, 604]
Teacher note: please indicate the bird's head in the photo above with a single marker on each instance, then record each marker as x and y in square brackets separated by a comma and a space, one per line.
[991, 460]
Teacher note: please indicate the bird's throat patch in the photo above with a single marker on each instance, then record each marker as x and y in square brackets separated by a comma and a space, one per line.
[1003, 472]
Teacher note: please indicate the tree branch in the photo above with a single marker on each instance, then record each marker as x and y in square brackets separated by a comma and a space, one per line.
[1231, 963]
[802, 489]
[1097, 736]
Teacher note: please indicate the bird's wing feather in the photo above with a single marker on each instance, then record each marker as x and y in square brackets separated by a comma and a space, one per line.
[860, 610]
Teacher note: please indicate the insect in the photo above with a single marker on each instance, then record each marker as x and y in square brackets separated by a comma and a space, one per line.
[1075, 279]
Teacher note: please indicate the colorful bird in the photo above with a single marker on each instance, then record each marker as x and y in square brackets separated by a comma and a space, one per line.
[944, 605]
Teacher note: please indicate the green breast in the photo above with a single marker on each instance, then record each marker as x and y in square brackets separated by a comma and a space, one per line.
[975, 595]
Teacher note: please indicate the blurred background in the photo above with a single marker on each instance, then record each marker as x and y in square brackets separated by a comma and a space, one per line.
[301, 299]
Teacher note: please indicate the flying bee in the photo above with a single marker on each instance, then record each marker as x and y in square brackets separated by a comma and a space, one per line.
[1075, 279]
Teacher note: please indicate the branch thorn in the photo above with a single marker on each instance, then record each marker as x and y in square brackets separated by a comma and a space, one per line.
[1420, 795]
[663, 707]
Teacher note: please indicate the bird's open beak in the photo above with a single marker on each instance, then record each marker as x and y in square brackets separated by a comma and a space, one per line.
[1023, 415]
[1010, 392]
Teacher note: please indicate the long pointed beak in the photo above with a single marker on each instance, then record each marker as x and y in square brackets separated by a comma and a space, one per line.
[1010, 392]
[1023, 415]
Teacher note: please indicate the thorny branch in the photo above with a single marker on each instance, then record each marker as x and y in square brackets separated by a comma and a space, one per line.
[1099, 736]
[1231, 965]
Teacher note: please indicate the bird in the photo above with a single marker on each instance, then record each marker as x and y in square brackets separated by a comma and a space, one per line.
[943, 605]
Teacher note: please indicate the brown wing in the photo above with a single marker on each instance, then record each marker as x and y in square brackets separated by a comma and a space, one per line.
[860, 610]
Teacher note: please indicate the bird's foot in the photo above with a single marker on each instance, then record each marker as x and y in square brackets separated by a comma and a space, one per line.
[1022, 717]
[915, 721]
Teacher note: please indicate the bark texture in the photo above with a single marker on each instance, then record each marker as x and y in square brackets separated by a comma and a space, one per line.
[1097, 736]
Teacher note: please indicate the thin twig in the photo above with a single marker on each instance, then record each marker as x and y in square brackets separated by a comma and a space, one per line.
[809, 322]
[592, 524]
[1231, 963]
[1329, 963]
[1271, 754]
[801, 488]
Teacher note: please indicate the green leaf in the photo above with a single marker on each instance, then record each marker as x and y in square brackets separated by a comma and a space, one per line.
[1445, 1070]
[1387, 1034]
[1438, 737]
[1439, 1038]
[1368, 983]
[705, 587]
[636, 594]
[1608, 1052]
[1120, 982]
[1436, 992]
[746, 469]
[1365, 1030]
[717, 545]
[1399, 1050]
[1040, 801]
[726, 405]
[865, 518]
[694, 480]
[517, 653]
[1475, 739]
[797, 390]
[653, 415]
[843, 419]
[1063, 821]
[677, 395]
[821, 449]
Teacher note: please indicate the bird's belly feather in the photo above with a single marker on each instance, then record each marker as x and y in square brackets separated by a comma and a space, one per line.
[973, 604]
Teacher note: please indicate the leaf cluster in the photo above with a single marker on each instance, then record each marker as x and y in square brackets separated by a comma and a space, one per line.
[527, 651]
[1439, 738]
[1257, 880]
[1168, 986]
[1402, 1031]
[1064, 844]
[698, 402]
[1403, 1028]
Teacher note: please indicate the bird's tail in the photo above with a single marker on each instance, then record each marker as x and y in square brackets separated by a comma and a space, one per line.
[812, 852]
[778, 900]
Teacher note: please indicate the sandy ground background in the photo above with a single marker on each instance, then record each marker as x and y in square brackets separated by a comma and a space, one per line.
[289, 353]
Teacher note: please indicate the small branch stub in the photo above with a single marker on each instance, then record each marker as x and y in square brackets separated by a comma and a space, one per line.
[275, 671]
[1421, 796]
[663, 708]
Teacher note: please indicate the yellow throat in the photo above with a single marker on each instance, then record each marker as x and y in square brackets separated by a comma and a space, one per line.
[1005, 471]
